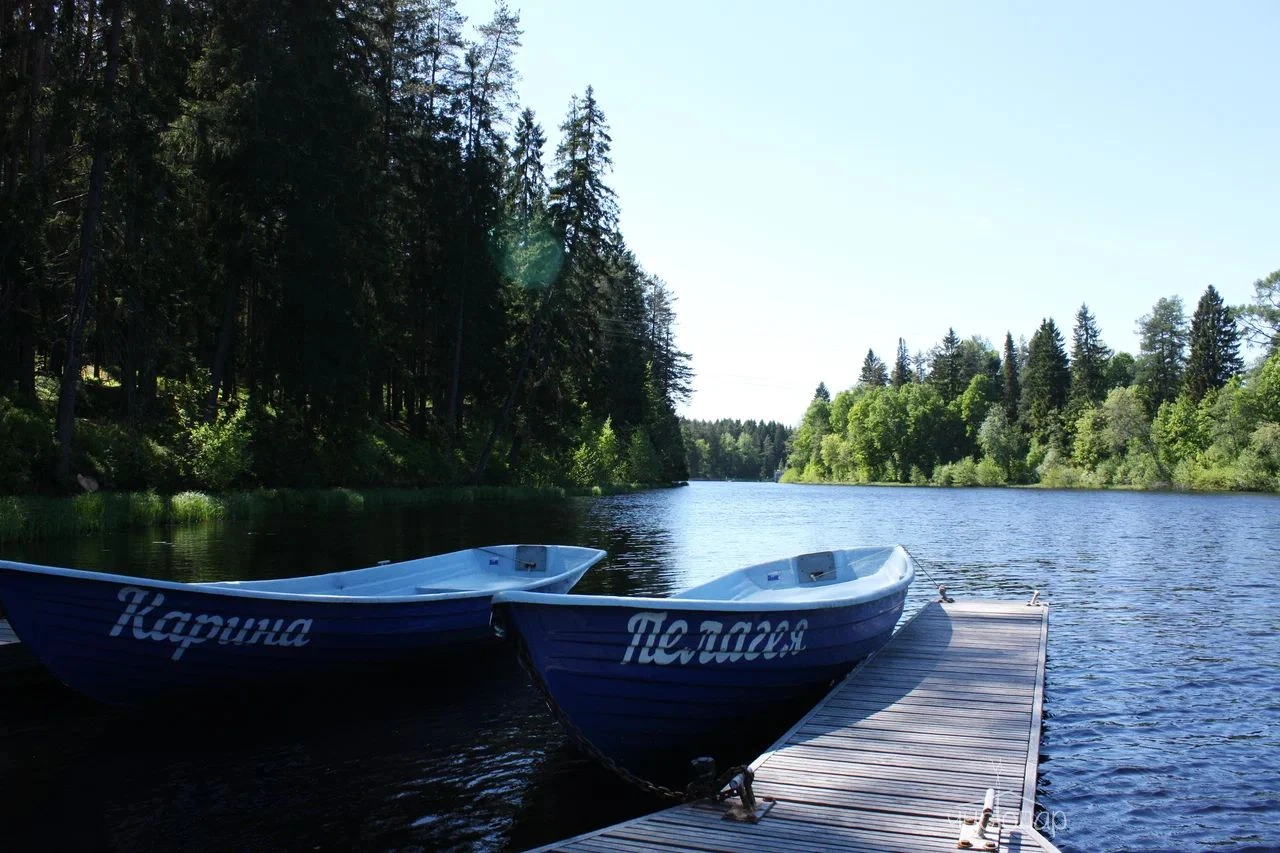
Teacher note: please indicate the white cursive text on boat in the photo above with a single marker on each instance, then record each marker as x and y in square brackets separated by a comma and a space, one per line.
[651, 643]
[187, 629]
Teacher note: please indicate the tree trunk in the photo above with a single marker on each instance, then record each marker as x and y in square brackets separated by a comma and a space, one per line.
[222, 354]
[25, 302]
[535, 335]
[455, 378]
[88, 245]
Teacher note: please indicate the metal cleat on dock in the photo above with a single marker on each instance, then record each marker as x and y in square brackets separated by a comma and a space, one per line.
[747, 809]
[982, 834]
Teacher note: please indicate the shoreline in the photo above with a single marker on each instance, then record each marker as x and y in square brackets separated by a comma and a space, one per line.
[25, 518]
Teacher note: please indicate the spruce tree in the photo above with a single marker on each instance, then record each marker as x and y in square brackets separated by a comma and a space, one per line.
[874, 374]
[1162, 353]
[1089, 359]
[1045, 382]
[526, 186]
[1012, 389]
[944, 367]
[901, 373]
[1215, 346]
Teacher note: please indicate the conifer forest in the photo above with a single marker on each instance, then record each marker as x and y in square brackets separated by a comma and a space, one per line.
[260, 244]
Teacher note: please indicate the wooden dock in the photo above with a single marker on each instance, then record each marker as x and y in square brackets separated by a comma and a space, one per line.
[897, 755]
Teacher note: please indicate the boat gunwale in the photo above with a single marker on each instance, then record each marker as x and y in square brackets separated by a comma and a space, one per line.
[748, 605]
[219, 589]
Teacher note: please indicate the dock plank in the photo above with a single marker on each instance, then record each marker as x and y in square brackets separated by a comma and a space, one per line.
[896, 754]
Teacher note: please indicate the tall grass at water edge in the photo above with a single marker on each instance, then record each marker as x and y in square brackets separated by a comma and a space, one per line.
[24, 518]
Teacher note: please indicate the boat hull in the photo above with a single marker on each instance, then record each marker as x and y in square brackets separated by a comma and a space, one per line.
[652, 687]
[129, 641]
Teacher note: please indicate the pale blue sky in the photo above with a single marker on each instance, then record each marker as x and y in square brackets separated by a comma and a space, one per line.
[813, 179]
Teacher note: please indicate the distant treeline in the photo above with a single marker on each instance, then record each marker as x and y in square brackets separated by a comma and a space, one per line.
[734, 450]
[1184, 413]
[269, 244]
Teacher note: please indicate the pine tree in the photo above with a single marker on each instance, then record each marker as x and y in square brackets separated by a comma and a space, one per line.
[1012, 389]
[1162, 353]
[901, 373]
[1261, 319]
[1089, 359]
[874, 374]
[821, 393]
[1045, 383]
[1215, 346]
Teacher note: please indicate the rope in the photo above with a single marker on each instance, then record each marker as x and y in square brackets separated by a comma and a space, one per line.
[691, 793]
[942, 588]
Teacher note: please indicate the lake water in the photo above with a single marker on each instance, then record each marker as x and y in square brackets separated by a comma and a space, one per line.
[1162, 701]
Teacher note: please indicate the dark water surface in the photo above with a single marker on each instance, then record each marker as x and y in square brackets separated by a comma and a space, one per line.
[1163, 695]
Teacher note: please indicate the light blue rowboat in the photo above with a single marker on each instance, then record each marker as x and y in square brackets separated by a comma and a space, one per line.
[659, 681]
[128, 640]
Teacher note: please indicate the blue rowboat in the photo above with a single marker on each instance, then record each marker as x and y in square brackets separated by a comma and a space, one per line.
[127, 640]
[651, 682]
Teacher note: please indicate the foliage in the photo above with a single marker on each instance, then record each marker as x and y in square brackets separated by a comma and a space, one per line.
[1261, 319]
[44, 517]
[1003, 444]
[1215, 346]
[874, 373]
[1011, 390]
[1227, 439]
[735, 450]
[1045, 381]
[901, 373]
[1089, 360]
[1162, 356]
[320, 260]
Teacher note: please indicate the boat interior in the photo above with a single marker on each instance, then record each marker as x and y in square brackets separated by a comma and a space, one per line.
[474, 570]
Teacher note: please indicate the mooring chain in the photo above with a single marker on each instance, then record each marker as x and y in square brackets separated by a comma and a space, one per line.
[692, 793]
[582, 741]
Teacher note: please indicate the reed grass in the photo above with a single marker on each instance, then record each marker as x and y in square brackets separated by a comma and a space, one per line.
[25, 518]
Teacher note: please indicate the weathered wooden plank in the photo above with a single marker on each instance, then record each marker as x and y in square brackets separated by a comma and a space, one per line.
[609, 844]
[912, 704]
[964, 772]
[868, 757]
[926, 802]
[837, 745]
[982, 724]
[908, 713]
[1032, 766]
[965, 675]
[977, 741]
[791, 835]
[932, 697]
[732, 836]
[911, 829]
